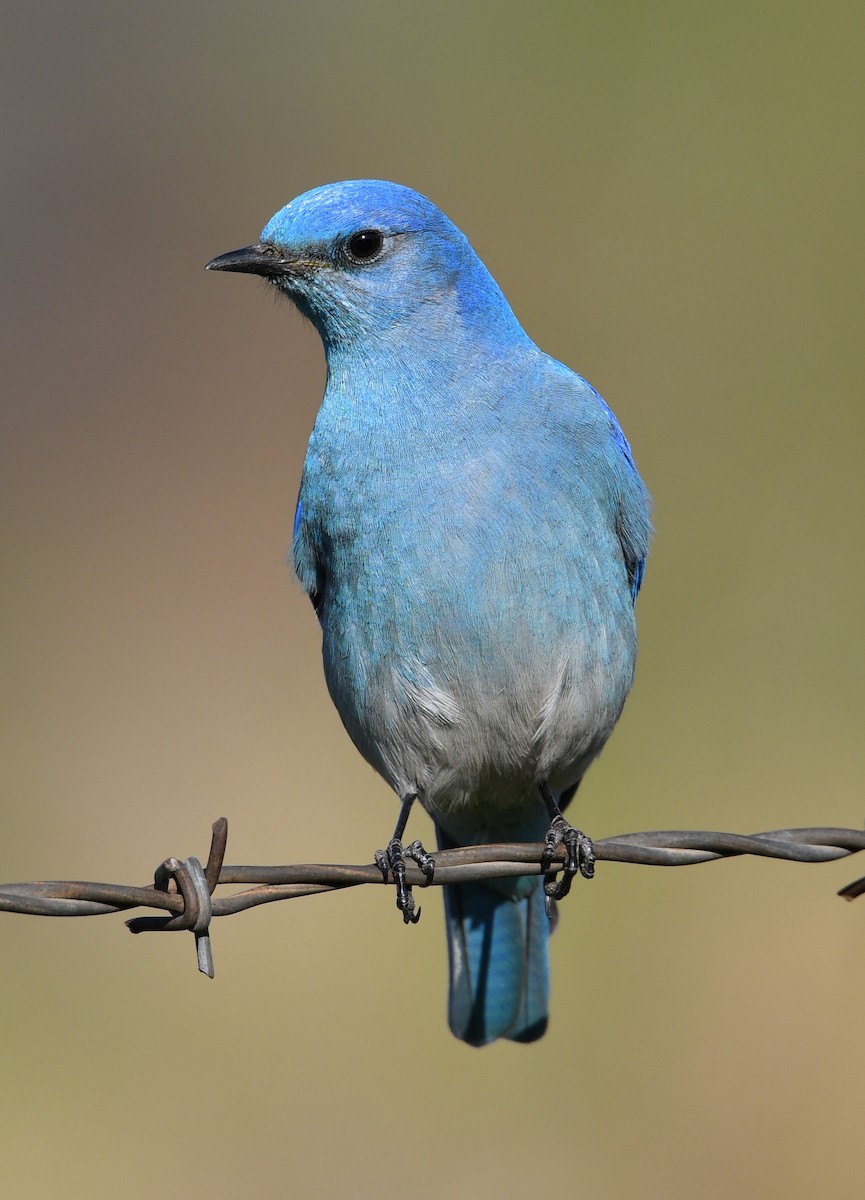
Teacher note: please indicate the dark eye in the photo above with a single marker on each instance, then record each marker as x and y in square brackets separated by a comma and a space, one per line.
[365, 246]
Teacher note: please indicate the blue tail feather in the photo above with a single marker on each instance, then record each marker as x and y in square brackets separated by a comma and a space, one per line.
[499, 963]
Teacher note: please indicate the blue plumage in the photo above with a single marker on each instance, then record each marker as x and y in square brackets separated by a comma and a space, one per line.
[472, 530]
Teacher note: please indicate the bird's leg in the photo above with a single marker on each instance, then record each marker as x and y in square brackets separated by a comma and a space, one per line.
[393, 860]
[579, 853]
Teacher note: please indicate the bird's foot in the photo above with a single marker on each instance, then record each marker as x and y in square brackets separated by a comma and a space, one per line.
[579, 860]
[391, 862]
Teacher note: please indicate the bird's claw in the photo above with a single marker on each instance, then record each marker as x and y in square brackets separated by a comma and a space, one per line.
[381, 861]
[392, 862]
[579, 860]
[425, 861]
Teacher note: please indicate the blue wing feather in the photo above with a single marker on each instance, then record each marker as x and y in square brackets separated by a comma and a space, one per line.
[633, 535]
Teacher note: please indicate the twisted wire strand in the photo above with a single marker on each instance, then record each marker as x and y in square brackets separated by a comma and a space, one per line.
[672, 848]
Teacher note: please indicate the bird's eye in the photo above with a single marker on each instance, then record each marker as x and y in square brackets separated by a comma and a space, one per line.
[365, 246]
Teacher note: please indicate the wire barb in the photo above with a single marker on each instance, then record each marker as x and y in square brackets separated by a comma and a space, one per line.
[196, 885]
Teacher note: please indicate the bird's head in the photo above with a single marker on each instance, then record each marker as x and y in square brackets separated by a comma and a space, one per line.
[365, 257]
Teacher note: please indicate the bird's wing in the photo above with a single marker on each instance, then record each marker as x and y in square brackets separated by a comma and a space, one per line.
[633, 524]
[307, 564]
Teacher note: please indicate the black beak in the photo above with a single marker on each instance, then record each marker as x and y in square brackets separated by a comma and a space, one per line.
[253, 260]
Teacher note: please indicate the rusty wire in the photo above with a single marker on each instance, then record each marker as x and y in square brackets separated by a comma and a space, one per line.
[183, 891]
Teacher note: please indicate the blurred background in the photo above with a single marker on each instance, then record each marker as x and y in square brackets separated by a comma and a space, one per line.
[671, 197]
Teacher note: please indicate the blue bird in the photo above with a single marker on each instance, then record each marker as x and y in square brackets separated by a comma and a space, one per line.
[472, 531]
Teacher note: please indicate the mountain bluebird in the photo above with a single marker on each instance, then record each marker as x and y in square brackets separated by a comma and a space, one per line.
[472, 531]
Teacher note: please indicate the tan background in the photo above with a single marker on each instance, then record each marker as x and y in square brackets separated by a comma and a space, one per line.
[672, 198]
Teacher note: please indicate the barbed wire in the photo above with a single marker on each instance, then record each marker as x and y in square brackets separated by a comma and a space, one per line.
[183, 890]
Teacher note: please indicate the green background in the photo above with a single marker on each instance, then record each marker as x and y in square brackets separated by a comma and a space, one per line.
[671, 196]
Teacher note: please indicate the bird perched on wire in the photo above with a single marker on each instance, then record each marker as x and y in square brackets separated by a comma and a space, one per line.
[472, 531]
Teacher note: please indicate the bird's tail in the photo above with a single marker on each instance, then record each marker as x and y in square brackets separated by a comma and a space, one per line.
[499, 964]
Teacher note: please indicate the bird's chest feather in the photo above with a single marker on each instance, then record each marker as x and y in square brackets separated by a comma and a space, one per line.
[476, 618]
